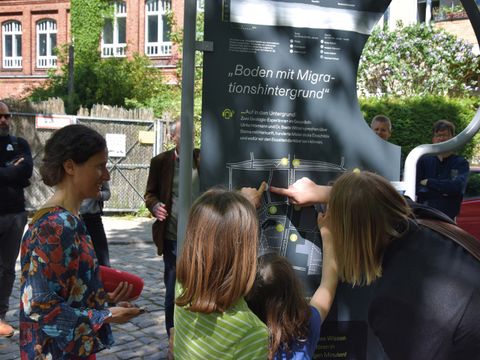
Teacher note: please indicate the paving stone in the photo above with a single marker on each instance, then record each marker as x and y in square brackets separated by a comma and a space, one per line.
[160, 356]
[123, 338]
[129, 327]
[147, 339]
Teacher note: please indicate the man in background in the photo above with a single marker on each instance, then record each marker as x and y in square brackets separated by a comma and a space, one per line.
[161, 197]
[91, 211]
[16, 168]
[442, 178]
[382, 126]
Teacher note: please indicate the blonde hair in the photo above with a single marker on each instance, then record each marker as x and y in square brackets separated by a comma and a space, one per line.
[218, 261]
[365, 214]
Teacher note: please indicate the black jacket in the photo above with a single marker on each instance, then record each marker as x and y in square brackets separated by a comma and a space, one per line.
[13, 179]
[426, 305]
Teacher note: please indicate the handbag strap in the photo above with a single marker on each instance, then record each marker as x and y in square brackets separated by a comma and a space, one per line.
[39, 213]
[453, 232]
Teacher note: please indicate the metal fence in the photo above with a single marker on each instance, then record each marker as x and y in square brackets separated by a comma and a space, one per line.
[128, 172]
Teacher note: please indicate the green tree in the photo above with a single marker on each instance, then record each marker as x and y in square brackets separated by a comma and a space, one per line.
[112, 81]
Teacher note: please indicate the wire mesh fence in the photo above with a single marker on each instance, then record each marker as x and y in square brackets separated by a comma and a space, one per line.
[141, 140]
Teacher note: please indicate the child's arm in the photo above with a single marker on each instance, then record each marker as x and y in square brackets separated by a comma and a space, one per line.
[323, 298]
[254, 195]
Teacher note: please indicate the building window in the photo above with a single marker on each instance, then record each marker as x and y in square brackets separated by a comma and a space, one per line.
[157, 29]
[12, 45]
[46, 43]
[114, 36]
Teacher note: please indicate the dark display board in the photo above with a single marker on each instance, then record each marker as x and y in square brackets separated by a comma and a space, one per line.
[280, 103]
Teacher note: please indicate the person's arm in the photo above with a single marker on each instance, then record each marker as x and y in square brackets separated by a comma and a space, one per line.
[455, 186]
[323, 297]
[105, 192]
[157, 208]
[21, 170]
[51, 279]
[304, 192]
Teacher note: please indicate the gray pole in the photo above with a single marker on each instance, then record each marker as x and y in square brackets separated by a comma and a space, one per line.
[186, 134]
[70, 84]
[410, 171]
[428, 12]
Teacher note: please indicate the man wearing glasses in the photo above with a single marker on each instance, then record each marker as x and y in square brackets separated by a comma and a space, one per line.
[442, 178]
[16, 167]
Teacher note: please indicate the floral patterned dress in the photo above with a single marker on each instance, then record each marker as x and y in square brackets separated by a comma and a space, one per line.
[62, 307]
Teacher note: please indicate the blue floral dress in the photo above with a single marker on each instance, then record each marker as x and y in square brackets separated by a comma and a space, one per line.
[62, 307]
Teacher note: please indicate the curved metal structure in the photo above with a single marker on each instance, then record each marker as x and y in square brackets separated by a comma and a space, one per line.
[410, 170]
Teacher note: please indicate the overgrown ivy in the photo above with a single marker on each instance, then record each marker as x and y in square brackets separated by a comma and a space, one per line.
[113, 81]
[87, 20]
[167, 101]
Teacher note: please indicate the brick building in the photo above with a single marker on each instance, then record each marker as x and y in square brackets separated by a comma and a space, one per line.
[434, 11]
[31, 30]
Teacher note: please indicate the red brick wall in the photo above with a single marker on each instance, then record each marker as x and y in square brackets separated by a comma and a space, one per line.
[15, 83]
[461, 28]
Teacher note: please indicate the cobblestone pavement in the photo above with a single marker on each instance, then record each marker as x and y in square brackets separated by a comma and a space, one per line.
[131, 249]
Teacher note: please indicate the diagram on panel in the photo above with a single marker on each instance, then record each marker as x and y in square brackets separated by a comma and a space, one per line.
[290, 230]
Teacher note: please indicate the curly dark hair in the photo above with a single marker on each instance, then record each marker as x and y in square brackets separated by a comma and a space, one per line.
[76, 142]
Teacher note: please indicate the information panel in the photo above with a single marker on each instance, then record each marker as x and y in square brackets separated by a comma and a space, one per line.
[280, 103]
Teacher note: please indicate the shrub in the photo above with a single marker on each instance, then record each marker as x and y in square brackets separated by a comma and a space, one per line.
[417, 60]
[413, 117]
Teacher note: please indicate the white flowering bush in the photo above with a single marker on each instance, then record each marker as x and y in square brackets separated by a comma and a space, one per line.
[417, 60]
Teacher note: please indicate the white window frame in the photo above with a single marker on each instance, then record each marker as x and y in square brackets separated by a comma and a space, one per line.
[12, 28]
[157, 8]
[47, 27]
[117, 49]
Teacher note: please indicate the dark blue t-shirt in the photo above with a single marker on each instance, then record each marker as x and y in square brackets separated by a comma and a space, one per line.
[304, 349]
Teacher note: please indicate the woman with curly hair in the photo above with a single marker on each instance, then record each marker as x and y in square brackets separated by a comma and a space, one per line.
[63, 309]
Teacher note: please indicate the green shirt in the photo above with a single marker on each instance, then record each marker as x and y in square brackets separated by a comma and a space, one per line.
[235, 334]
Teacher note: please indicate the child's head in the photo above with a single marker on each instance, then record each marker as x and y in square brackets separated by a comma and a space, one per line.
[277, 299]
[218, 261]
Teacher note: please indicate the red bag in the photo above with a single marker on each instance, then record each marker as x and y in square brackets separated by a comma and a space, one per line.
[112, 277]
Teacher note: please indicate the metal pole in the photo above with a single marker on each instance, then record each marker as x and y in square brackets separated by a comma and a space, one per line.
[71, 69]
[428, 12]
[186, 134]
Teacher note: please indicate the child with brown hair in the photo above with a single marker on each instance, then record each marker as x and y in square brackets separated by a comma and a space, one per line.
[277, 299]
[216, 270]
